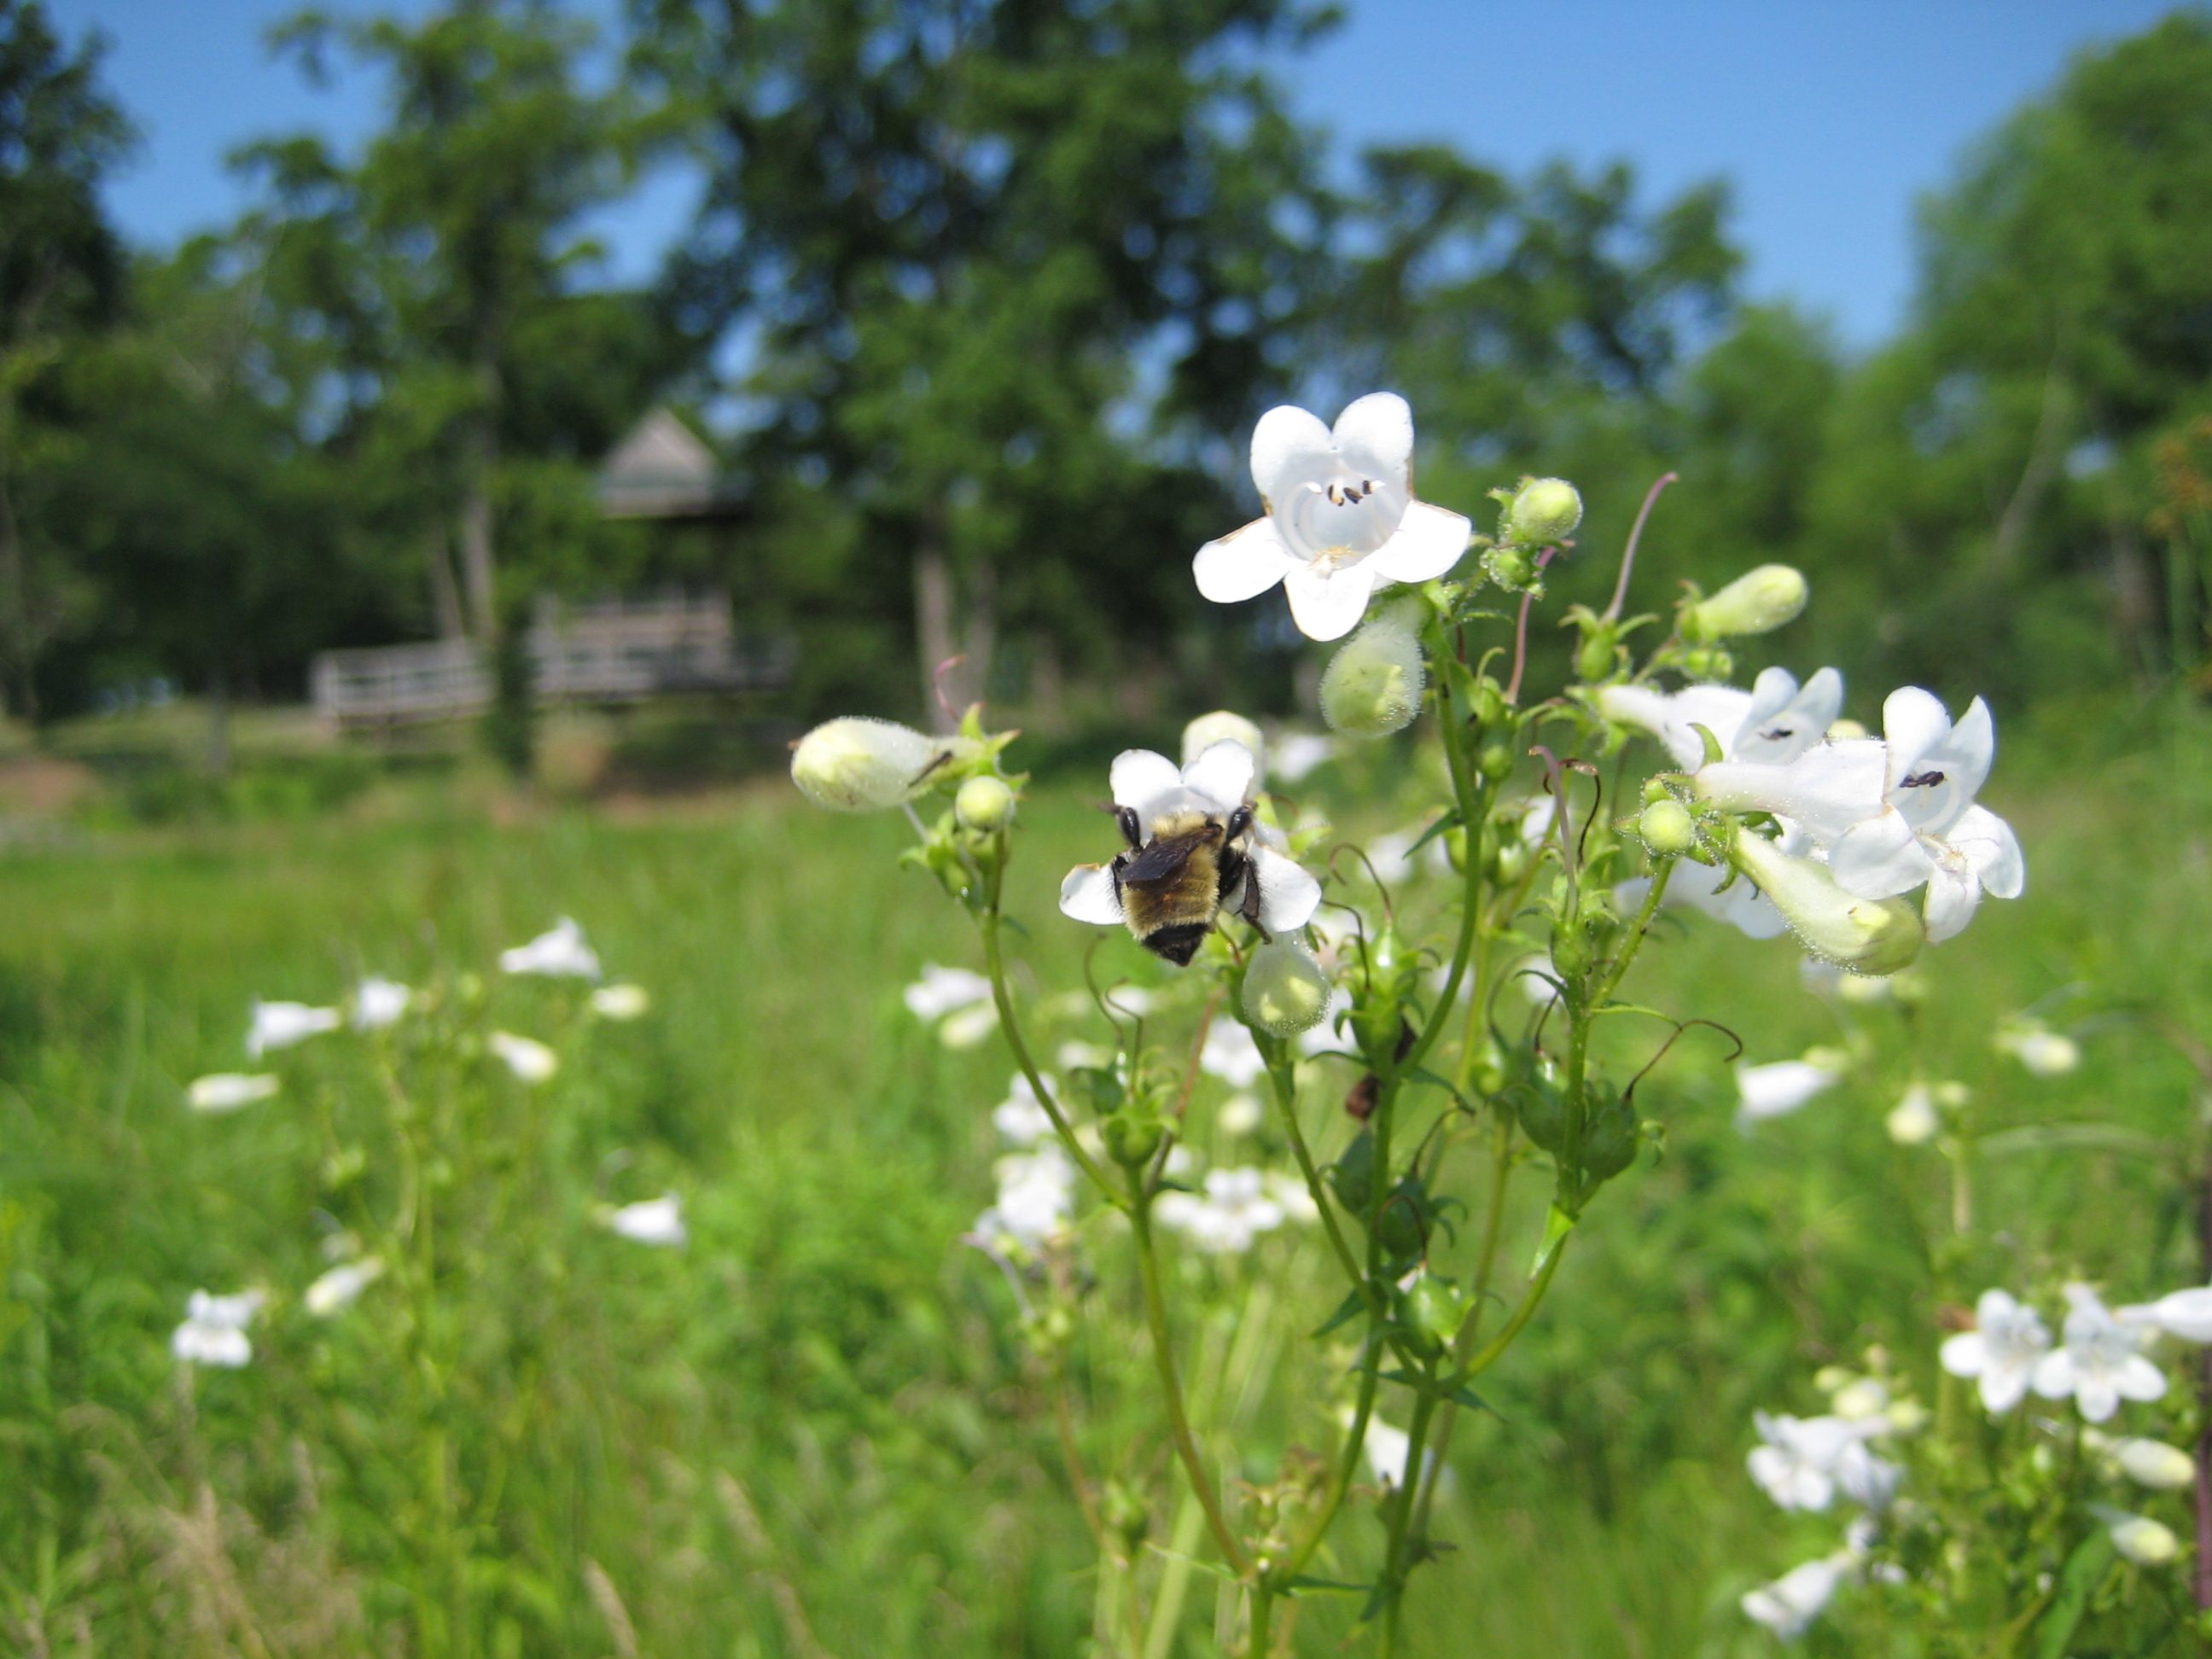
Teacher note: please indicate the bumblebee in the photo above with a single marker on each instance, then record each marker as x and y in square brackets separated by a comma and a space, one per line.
[1173, 881]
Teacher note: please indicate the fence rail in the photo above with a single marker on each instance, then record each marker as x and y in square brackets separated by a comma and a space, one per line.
[617, 651]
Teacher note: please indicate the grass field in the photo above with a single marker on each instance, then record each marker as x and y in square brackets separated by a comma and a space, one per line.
[814, 1429]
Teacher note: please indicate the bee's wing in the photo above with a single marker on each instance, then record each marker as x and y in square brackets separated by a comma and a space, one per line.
[1163, 858]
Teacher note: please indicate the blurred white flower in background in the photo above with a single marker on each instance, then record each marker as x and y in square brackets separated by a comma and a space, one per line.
[1912, 1121]
[2008, 1342]
[1240, 1114]
[2139, 1539]
[2101, 1362]
[1073, 1056]
[1234, 1209]
[621, 1002]
[1789, 1606]
[2044, 1052]
[2185, 1313]
[558, 953]
[1783, 1086]
[342, 1286]
[1036, 1195]
[1230, 1053]
[1294, 755]
[214, 1331]
[2147, 1463]
[1020, 1118]
[378, 1003]
[226, 1091]
[280, 1024]
[1805, 1462]
[527, 1058]
[956, 997]
[651, 1221]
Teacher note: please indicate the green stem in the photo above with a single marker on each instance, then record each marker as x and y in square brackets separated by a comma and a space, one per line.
[1263, 1607]
[1156, 1318]
[1283, 1076]
[1489, 1353]
[1395, 1565]
[1339, 1482]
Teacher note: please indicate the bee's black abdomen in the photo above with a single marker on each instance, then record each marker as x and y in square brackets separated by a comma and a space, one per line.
[1178, 944]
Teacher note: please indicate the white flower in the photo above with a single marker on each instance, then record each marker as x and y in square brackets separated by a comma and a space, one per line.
[2146, 1542]
[1020, 1120]
[1775, 720]
[1789, 1606]
[1807, 1461]
[1912, 1121]
[856, 765]
[651, 1221]
[1240, 1114]
[1223, 727]
[1037, 1194]
[1782, 1086]
[620, 1001]
[214, 1331]
[1235, 1211]
[2150, 1463]
[1387, 1449]
[560, 953]
[2101, 1363]
[527, 1058]
[1297, 754]
[1074, 1056]
[378, 1003]
[1217, 785]
[941, 991]
[1293, 1195]
[2044, 1052]
[1341, 517]
[2007, 1344]
[226, 1091]
[2185, 1314]
[1866, 936]
[281, 1024]
[1230, 1053]
[342, 1286]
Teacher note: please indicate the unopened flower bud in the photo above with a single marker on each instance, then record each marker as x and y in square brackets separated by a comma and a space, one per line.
[1435, 1308]
[2146, 1542]
[1667, 827]
[1285, 990]
[985, 804]
[1222, 726]
[2153, 1463]
[1841, 731]
[1372, 687]
[856, 765]
[1495, 762]
[1866, 936]
[1131, 1139]
[1545, 510]
[1510, 568]
[1757, 602]
[1912, 1121]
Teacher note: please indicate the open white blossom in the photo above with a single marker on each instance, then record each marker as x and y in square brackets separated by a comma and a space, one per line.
[379, 1003]
[1341, 518]
[1789, 1606]
[1775, 720]
[1234, 1209]
[340, 1287]
[2002, 1351]
[1387, 1449]
[1805, 1462]
[2101, 1362]
[1230, 1053]
[558, 953]
[528, 1059]
[1294, 755]
[651, 1221]
[1020, 1119]
[941, 991]
[227, 1092]
[280, 1024]
[1240, 1114]
[214, 1331]
[1783, 1086]
[1036, 1195]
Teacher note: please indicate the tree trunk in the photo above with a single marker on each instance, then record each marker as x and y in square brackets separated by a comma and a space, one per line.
[944, 629]
[932, 624]
[445, 591]
[15, 593]
[477, 570]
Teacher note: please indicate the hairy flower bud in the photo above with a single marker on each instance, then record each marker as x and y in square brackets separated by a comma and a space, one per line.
[2146, 1542]
[1667, 827]
[984, 803]
[1866, 936]
[1757, 602]
[1544, 510]
[855, 764]
[1372, 687]
[1285, 990]
[2152, 1462]
[1222, 726]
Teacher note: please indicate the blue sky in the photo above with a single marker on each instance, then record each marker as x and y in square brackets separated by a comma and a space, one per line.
[1830, 119]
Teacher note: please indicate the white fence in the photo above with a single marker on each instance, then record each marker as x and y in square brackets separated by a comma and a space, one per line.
[615, 652]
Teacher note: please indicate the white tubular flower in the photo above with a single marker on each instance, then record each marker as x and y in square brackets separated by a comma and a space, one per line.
[941, 991]
[2101, 1362]
[530, 1060]
[379, 1003]
[857, 764]
[2002, 1353]
[2150, 1463]
[2139, 1539]
[1782, 1086]
[1805, 1462]
[340, 1287]
[2044, 1052]
[1341, 517]
[1775, 721]
[621, 1002]
[214, 1331]
[280, 1024]
[559, 953]
[1789, 1606]
[1236, 1210]
[1222, 726]
[1912, 1121]
[1021, 1119]
[1757, 602]
[1866, 936]
[227, 1092]
[1230, 1053]
[2185, 1313]
[1215, 785]
[651, 1221]
[1036, 1195]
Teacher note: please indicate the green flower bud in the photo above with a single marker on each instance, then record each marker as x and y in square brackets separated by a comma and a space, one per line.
[1489, 1073]
[859, 765]
[1656, 790]
[1285, 990]
[1545, 510]
[1866, 936]
[1131, 1139]
[1495, 762]
[1353, 1174]
[1711, 663]
[1757, 602]
[1094, 1087]
[1222, 726]
[1372, 687]
[1611, 1138]
[1124, 1513]
[1571, 951]
[2146, 1542]
[1667, 828]
[1435, 1308]
[2152, 1462]
[1405, 1228]
[984, 803]
[1598, 655]
[1542, 1113]
[1510, 568]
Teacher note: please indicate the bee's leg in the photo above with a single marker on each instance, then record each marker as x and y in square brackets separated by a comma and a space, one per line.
[1235, 866]
[1115, 869]
[1131, 831]
[1239, 821]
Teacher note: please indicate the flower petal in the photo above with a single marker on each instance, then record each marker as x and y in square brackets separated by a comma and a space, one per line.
[1140, 776]
[1972, 748]
[1327, 606]
[1288, 445]
[1223, 774]
[1289, 893]
[2138, 1379]
[1952, 897]
[1429, 541]
[1374, 435]
[1879, 858]
[1987, 844]
[2054, 1375]
[1827, 789]
[1966, 1354]
[2097, 1395]
[1088, 895]
[2002, 1389]
[1913, 722]
[1242, 565]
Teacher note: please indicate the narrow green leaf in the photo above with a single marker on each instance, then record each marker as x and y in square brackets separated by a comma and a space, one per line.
[1557, 1223]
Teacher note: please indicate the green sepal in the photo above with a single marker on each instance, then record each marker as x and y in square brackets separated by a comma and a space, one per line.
[1346, 1310]
[1557, 1223]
